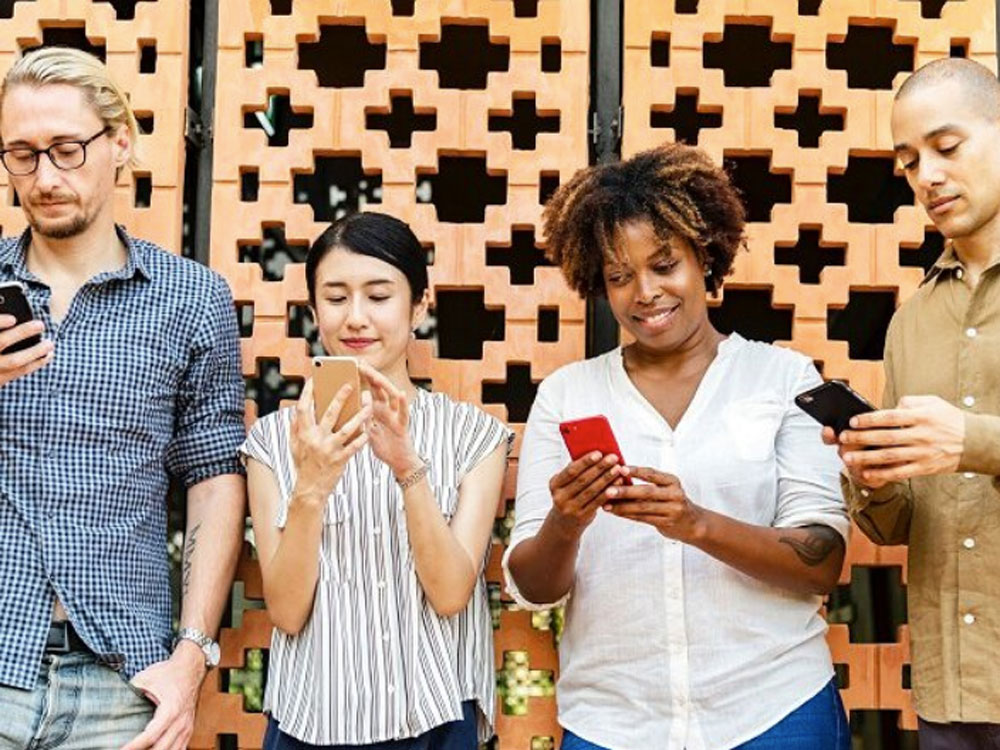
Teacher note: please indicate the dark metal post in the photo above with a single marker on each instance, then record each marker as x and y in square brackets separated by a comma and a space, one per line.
[606, 123]
[201, 211]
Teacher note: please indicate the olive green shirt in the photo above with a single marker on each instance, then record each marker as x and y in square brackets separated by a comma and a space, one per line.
[945, 341]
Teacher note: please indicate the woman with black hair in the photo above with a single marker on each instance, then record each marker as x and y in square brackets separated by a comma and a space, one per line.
[372, 539]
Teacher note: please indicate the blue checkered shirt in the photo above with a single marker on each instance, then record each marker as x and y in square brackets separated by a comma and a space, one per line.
[145, 385]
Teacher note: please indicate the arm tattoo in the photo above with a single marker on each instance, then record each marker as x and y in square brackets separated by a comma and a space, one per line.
[189, 544]
[816, 546]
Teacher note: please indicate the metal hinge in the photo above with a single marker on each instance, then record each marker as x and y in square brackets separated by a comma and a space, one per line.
[195, 131]
[596, 129]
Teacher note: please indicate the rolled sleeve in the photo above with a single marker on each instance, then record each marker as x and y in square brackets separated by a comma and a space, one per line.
[808, 470]
[542, 455]
[209, 425]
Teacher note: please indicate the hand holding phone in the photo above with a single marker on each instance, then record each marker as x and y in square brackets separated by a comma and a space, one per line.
[329, 375]
[832, 404]
[583, 436]
[22, 350]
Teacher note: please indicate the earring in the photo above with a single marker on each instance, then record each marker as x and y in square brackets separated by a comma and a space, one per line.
[708, 271]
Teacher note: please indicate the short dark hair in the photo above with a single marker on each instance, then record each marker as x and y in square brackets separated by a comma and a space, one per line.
[677, 188]
[977, 82]
[378, 236]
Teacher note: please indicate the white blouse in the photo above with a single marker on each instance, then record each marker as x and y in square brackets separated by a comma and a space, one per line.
[375, 662]
[666, 647]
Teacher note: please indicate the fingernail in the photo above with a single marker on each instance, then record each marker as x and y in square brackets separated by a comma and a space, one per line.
[611, 492]
[854, 422]
[607, 507]
[610, 459]
[595, 456]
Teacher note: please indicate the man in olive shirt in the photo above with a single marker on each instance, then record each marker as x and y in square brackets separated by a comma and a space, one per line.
[924, 470]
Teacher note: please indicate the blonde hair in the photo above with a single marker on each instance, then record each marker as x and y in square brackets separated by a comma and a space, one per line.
[72, 67]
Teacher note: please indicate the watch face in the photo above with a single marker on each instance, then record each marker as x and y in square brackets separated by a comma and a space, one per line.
[212, 654]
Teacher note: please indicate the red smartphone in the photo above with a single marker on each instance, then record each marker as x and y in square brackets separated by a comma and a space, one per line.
[583, 436]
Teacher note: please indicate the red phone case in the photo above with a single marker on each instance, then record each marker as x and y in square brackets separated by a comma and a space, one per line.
[583, 436]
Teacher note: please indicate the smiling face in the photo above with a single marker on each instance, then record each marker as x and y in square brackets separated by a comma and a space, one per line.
[61, 203]
[656, 290]
[949, 149]
[364, 309]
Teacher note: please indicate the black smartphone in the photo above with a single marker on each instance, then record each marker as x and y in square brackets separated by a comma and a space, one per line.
[832, 404]
[13, 302]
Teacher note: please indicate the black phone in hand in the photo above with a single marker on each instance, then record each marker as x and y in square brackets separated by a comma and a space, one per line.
[13, 302]
[832, 404]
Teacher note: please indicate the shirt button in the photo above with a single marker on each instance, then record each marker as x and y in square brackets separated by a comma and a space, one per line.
[969, 543]
[969, 475]
[376, 530]
[971, 332]
[969, 400]
[392, 688]
[959, 273]
[385, 637]
[969, 619]
[381, 584]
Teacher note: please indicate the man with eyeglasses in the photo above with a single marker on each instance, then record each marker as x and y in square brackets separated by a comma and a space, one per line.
[135, 382]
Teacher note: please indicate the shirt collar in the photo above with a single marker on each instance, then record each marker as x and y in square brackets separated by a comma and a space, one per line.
[949, 264]
[13, 257]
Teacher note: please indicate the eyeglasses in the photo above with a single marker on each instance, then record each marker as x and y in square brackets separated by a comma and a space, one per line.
[64, 155]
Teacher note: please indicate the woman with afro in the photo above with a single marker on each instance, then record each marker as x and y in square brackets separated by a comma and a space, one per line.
[693, 573]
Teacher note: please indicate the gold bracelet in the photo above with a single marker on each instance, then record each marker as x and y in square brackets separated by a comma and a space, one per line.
[415, 476]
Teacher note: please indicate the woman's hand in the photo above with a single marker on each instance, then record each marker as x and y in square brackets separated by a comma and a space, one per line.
[319, 453]
[661, 503]
[389, 427]
[578, 490]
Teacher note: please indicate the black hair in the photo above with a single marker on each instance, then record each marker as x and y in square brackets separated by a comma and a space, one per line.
[376, 235]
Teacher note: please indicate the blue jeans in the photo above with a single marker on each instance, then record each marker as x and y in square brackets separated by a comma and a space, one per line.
[818, 724]
[76, 704]
[455, 735]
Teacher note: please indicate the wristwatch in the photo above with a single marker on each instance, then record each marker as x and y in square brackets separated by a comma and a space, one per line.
[208, 647]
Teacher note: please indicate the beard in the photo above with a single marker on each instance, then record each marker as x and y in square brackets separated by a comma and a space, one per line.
[58, 229]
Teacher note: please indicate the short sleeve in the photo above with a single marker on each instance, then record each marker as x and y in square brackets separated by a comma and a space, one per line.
[808, 470]
[259, 445]
[477, 436]
[209, 422]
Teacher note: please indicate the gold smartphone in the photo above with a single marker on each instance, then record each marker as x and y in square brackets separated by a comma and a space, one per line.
[329, 375]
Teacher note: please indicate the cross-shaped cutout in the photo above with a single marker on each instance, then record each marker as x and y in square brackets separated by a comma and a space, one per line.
[924, 256]
[279, 119]
[401, 120]
[464, 323]
[810, 254]
[517, 393]
[524, 123]
[686, 118]
[268, 387]
[932, 8]
[522, 256]
[809, 121]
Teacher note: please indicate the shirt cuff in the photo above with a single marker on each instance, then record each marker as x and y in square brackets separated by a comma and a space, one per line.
[210, 471]
[981, 449]
[516, 594]
[858, 498]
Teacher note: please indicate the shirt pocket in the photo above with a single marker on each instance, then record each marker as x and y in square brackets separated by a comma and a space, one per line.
[336, 558]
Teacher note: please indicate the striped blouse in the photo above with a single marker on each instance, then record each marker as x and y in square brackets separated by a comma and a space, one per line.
[375, 662]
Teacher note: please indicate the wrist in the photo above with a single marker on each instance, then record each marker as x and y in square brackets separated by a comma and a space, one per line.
[566, 528]
[190, 655]
[701, 526]
[412, 463]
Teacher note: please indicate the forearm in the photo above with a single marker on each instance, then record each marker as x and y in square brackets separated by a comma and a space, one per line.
[544, 566]
[805, 560]
[290, 575]
[216, 509]
[446, 572]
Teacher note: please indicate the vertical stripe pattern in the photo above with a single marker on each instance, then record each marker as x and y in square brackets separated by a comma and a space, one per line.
[375, 662]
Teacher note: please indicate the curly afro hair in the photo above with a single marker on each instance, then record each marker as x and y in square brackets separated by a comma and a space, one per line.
[677, 188]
